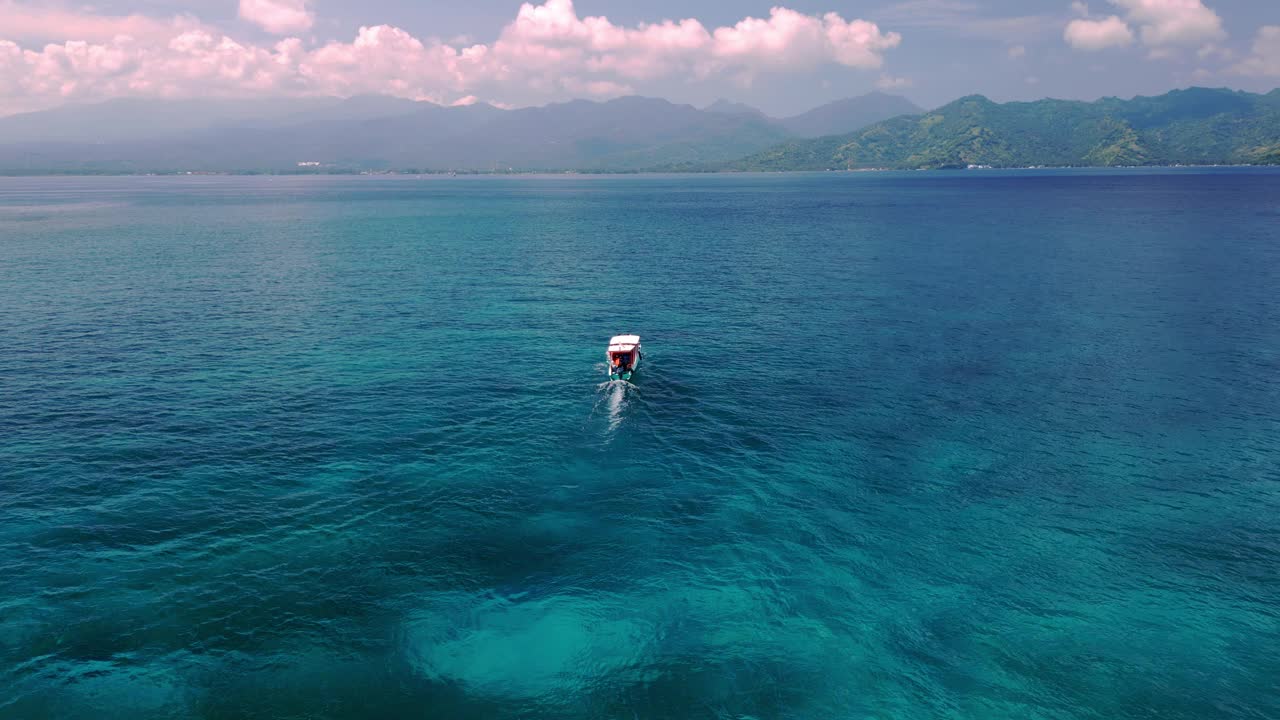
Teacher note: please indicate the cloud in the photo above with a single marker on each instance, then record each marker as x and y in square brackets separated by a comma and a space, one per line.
[792, 39]
[1212, 50]
[889, 82]
[547, 52]
[1163, 26]
[1096, 35]
[1264, 60]
[48, 22]
[278, 17]
[194, 62]
[1173, 22]
[552, 36]
[966, 18]
[597, 88]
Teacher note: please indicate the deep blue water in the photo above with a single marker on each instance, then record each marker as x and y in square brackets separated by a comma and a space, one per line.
[972, 445]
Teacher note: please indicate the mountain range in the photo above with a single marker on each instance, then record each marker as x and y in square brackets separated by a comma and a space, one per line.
[1194, 126]
[1197, 126]
[373, 133]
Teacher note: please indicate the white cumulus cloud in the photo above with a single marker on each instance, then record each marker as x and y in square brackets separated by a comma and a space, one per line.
[792, 39]
[278, 16]
[1098, 34]
[1163, 26]
[546, 52]
[1173, 22]
[46, 21]
[1264, 61]
[553, 37]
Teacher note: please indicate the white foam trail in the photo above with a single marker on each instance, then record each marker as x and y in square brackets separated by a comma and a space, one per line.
[617, 402]
[613, 394]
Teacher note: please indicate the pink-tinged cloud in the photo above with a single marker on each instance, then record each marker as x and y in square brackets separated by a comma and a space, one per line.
[596, 88]
[546, 52]
[789, 39]
[1264, 61]
[385, 60]
[47, 22]
[1164, 26]
[1096, 35]
[279, 17]
[1173, 22]
[552, 37]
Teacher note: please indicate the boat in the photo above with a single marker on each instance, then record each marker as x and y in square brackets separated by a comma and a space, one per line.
[623, 356]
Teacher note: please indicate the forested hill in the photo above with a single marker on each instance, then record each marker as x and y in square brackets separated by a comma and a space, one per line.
[1196, 126]
[383, 133]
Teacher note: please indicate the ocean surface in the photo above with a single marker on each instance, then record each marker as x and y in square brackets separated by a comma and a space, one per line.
[931, 445]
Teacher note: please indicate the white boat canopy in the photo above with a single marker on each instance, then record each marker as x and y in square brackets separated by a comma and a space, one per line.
[624, 343]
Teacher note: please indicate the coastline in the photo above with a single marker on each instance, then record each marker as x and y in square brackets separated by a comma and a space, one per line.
[648, 171]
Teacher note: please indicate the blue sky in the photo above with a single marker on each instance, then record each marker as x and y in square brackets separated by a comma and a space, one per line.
[783, 57]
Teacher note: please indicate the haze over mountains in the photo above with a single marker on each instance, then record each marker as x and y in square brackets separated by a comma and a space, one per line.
[371, 133]
[1194, 126]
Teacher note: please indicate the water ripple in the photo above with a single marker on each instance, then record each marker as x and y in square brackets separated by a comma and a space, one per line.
[930, 445]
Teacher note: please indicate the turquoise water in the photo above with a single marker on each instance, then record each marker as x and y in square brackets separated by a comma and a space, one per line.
[973, 445]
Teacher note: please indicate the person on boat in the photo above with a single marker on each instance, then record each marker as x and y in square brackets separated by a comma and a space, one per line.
[617, 363]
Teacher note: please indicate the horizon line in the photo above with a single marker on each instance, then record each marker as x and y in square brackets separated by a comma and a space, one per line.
[702, 108]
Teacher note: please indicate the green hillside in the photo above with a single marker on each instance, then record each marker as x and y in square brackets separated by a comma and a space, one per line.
[1195, 126]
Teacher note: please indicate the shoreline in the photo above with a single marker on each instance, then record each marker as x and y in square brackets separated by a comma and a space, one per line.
[598, 173]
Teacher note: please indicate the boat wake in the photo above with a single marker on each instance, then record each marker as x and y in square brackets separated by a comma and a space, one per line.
[612, 399]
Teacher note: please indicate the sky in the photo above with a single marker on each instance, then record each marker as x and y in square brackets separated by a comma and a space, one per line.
[784, 56]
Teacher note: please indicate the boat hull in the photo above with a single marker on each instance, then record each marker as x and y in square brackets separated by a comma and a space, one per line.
[627, 349]
[626, 374]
